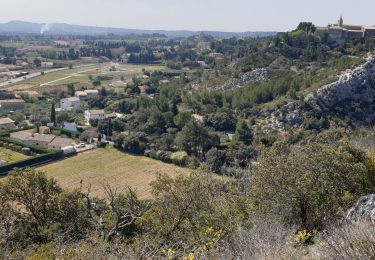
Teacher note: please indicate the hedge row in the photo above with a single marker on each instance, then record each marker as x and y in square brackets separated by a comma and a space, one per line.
[34, 148]
[42, 158]
[7, 132]
[177, 158]
[71, 134]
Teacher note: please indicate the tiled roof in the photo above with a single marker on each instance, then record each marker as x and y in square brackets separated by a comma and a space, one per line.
[6, 120]
[97, 112]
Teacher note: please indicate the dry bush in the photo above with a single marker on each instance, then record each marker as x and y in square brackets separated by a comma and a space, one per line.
[263, 241]
[356, 241]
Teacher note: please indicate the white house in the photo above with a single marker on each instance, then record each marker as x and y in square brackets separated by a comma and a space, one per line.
[46, 64]
[70, 126]
[118, 84]
[72, 103]
[92, 93]
[87, 94]
[95, 115]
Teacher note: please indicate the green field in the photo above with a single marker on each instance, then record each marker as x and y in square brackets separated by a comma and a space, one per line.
[109, 166]
[10, 156]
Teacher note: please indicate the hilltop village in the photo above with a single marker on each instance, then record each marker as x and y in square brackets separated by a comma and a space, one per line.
[343, 32]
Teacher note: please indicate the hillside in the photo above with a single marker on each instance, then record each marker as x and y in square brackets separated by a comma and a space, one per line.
[21, 27]
[266, 146]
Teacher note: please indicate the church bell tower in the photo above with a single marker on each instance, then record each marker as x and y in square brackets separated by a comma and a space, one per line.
[340, 22]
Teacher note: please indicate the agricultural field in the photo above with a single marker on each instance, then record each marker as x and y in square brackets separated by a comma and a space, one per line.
[109, 166]
[80, 74]
[10, 156]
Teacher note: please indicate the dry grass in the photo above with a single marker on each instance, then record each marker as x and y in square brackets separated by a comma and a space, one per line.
[109, 166]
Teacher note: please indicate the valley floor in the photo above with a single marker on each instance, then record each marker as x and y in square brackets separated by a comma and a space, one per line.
[109, 166]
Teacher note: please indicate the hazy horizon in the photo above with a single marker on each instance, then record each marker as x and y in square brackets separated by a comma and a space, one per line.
[208, 15]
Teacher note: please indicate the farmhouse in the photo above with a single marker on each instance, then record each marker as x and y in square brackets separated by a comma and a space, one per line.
[95, 115]
[9, 105]
[29, 93]
[81, 94]
[87, 94]
[118, 84]
[45, 140]
[33, 138]
[7, 123]
[72, 103]
[60, 142]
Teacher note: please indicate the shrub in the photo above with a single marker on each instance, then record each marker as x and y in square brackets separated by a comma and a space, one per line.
[17, 148]
[180, 158]
[102, 144]
[298, 183]
[355, 241]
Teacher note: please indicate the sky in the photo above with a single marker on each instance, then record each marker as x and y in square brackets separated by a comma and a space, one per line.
[220, 15]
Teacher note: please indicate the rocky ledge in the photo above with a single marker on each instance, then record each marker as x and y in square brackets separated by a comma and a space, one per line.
[353, 85]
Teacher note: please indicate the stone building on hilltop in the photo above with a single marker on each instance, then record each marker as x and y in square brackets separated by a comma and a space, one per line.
[341, 32]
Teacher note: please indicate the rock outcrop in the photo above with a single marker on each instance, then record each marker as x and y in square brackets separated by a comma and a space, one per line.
[363, 210]
[353, 85]
[254, 76]
[357, 84]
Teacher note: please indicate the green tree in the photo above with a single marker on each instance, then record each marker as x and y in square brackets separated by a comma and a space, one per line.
[310, 186]
[37, 196]
[244, 133]
[37, 62]
[71, 89]
[181, 119]
[195, 139]
[215, 160]
[193, 212]
[96, 82]
[103, 92]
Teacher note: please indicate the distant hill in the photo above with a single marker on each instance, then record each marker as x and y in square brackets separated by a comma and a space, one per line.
[21, 27]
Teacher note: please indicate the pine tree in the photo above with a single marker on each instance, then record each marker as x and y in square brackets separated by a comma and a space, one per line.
[244, 133]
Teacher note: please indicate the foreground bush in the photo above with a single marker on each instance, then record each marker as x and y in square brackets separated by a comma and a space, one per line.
[310, 186]
[355, 241]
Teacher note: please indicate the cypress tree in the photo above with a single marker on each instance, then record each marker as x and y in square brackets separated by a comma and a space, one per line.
[53, 114]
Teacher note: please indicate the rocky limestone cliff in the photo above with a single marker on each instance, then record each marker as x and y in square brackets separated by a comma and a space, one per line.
[362, 211]
[353, 85]
[357, 84]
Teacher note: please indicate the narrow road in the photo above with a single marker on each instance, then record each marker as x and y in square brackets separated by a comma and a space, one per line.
[71, 75]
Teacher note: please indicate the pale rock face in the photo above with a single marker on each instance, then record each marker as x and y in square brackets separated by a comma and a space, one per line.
[357, 84]
[363, 210]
